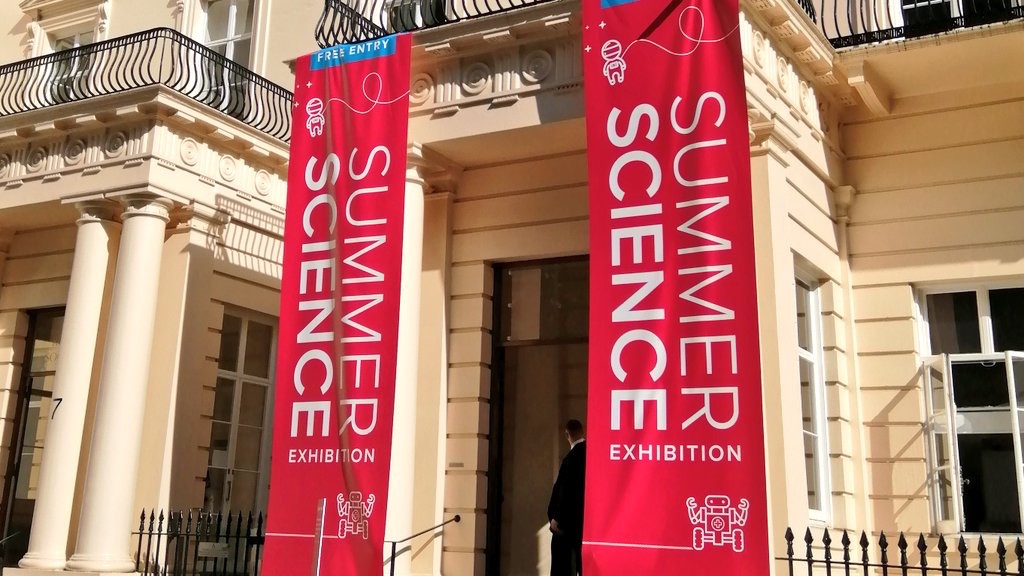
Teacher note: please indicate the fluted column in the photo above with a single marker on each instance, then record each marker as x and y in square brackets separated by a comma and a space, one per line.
[107, 514]
[403, 451]
[47, 547]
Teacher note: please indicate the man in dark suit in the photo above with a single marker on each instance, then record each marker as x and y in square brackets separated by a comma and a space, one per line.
[565, 509]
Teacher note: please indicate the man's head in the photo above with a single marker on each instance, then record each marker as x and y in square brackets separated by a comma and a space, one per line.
[573, 430]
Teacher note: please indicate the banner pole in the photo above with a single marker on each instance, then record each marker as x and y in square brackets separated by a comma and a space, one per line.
[318, 535]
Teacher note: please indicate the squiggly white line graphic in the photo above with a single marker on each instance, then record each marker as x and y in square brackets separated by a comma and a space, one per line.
[696, 41]
[374, 100]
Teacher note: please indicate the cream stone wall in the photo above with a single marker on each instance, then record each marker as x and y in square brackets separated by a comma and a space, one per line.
[288, 34]
[939, 200]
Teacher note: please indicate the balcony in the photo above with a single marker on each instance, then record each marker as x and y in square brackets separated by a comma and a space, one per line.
[154, 57]
[345, 21]
[849, 23]
[845, 23]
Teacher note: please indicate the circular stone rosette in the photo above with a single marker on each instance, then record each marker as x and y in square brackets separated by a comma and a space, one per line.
[475, 78]
[116, 144]
[228, 168]
[189, 152]
[422, 88]
[537, 66]
[74, 152]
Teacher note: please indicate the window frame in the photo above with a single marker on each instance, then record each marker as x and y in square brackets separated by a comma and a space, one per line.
[816, 358]
[239, 378]
[988, 353]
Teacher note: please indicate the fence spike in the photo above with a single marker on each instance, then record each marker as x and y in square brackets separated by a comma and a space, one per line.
[982, 561]
[864, 543]
[962, 549]
[902, 545]
[922, 548]
[1001, 553]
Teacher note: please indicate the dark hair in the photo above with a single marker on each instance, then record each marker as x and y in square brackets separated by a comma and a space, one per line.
[574, 427]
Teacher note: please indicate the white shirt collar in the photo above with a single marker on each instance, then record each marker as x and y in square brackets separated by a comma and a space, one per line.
[573, 445]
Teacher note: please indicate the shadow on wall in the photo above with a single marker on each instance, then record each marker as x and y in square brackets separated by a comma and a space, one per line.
[248, 237]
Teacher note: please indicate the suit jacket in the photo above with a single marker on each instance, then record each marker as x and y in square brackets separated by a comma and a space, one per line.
[566, 504]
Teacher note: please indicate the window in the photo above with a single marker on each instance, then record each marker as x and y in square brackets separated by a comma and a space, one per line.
[228, 28]
[70, 74]
[236, 474]
[812, 399]
[975, 403]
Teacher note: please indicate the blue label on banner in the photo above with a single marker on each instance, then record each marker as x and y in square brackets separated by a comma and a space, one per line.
[613, 3]
[338, 55]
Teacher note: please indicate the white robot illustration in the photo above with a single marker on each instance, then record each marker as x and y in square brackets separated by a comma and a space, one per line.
[614, 65]
[718, 522]
[355, 514]
[315, 122]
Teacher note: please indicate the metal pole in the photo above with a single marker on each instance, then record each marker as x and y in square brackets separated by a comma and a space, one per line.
[394, 552]
[318, 535]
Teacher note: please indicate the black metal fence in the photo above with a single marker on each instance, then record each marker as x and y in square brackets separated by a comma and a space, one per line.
[160, 56]
[199, 543]
[921, 556]
[854, 22]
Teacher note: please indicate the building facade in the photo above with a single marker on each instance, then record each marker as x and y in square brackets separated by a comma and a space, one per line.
[143, 153]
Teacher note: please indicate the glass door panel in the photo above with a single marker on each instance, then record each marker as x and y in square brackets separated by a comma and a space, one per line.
[942, 449]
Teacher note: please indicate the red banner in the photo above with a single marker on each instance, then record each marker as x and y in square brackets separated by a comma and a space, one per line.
[675, 463]
[337, 348]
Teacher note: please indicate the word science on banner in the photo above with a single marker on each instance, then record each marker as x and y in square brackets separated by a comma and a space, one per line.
[337, 346]
[675, 464]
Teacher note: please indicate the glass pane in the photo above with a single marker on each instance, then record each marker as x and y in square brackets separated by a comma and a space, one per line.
[258, 343]
[230, 334]
[253, 404]
[243, 491]
[220, 435]
[247, 448]
[218, 13]
[215, 486]
[953, 323]
[547, 302]
[811, 468]
[48, 329]
[223, 399]
[1007, 308]
[243, 21]
[944, 484]
[980, 385]
[803, 321]
[937, 391]
[989, 483]
[240, 52]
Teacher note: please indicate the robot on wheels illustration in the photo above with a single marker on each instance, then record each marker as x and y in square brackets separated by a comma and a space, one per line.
[355, 514]
[717, 522]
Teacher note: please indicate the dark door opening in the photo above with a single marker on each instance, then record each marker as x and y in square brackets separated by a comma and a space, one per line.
[539, 380]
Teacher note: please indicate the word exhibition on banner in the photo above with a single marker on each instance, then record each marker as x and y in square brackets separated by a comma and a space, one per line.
[675, 464]
[337, 346]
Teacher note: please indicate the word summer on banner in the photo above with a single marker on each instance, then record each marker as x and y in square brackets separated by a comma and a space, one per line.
[337, 347]
[675, 463]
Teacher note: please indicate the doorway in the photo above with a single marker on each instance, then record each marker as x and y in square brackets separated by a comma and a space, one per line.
[539, 380]
[35, 407]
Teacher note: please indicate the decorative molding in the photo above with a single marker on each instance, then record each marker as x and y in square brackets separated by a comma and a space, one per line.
[501, 75]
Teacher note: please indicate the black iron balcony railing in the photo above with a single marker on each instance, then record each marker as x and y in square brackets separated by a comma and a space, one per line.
[854, 22]
[345, 21]
[155, 57]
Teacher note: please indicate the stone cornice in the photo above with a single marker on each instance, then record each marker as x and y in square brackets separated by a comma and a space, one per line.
[151, 140]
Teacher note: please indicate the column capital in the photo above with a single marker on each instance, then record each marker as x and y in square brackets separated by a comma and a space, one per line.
[146, 205]
[431, 169]
[97, 211]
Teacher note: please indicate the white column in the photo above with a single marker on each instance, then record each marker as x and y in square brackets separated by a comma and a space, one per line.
[403, 451]
[47, 547]
[107, 513]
